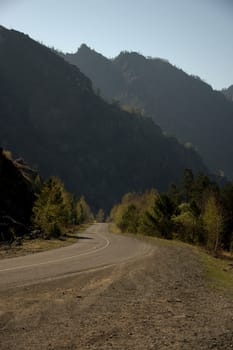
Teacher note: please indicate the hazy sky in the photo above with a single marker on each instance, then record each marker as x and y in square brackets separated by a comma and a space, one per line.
[195, 35]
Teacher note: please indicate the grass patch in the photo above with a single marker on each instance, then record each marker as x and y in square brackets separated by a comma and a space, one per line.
[219, 271]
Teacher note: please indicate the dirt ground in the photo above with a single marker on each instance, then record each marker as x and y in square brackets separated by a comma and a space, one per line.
[160, 301]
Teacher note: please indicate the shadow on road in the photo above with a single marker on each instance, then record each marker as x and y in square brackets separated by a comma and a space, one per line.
[78, 237]
[84, 237]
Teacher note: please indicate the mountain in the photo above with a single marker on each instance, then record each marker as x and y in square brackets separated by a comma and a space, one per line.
[228, 92]
[51, 116]
[181, 104]
[103, 73]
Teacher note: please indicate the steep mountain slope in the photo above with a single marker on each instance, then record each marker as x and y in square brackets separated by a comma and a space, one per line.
[181, 104]
[51, 116]
[17, 196]
[228, 92]
[105, 76]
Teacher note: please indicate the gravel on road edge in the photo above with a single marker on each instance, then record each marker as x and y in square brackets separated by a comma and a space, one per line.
[160, 301]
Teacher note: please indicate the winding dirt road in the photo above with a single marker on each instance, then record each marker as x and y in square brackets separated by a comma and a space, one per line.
[112, 292]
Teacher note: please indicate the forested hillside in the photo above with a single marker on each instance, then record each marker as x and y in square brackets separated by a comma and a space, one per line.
[51, 116]
[35, 208]
[183, 105]
[196, 211]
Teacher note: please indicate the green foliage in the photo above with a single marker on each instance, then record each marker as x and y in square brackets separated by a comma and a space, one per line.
[162, 218]
[129, 222]
[227, 204]
[213, 224]
[83, 212]
[217, 270]
[197, 212]
[188, 225]
[52, 209]
[26, 203]
[175, 194]
[100, 216]
[130, 214]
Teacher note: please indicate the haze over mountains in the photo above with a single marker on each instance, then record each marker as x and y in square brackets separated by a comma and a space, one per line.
[228, 92]
[182, 105]
[51, 116]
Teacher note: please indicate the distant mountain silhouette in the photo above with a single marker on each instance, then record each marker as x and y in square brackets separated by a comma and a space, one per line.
[228, 92]
[51, 116]
[183, 105]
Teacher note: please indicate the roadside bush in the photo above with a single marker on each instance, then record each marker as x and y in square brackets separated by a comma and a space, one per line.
[52, 209]
[187, 225]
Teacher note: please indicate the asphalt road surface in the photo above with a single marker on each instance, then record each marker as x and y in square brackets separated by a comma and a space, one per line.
[96, 248]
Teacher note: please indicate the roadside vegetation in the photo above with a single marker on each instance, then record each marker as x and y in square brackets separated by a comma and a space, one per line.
[197, 211]
[219, 272]
[55, 210]
[31, 208]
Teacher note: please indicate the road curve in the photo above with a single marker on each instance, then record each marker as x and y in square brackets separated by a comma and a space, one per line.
[96, 248]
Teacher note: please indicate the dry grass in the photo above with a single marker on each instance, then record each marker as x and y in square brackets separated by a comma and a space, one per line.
[41, 245]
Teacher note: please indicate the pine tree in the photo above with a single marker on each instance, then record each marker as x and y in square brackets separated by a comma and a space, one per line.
[162, 217]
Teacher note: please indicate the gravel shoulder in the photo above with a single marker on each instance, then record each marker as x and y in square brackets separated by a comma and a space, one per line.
[162, 300]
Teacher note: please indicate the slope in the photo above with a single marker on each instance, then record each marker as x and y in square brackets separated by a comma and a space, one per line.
[17, 196]
[181, 104]
[228, 92]
[51, 116]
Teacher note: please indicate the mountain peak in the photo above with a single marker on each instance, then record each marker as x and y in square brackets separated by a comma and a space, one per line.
[84, 47]
[130, 55]
[85, 51]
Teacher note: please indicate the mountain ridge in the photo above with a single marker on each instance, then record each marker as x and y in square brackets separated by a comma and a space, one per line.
[51, 116]
[181, 104]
